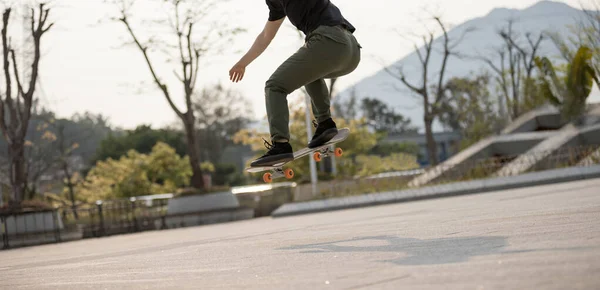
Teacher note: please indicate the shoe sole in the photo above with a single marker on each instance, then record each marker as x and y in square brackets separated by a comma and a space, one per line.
[323, 138]
[272, 160]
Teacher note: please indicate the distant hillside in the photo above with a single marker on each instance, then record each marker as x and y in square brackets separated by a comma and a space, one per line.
[543, 16]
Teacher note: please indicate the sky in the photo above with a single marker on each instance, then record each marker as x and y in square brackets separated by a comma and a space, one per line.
[87, 65]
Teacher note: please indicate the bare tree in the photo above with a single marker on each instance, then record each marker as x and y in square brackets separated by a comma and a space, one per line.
[15, 108]
[183, 18]
[222, 112]
[430, 90]
[590, 27]
[586, 32]
[515, 68]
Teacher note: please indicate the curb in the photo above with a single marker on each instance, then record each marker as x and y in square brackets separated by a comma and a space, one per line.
[438, 191]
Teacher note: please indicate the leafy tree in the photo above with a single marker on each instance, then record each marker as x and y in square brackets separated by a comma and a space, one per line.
[142, 139]
[134, 174]
[469, 108]
[381, 118]
[570, 92]
[88, 130]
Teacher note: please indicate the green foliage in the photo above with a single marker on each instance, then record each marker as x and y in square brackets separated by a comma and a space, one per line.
[142, 139]
[378, 115]
[382, 118]
[469, 109]
[570, 92]
[207, 167]
[161, 171]
[372, 164]
[227, 175]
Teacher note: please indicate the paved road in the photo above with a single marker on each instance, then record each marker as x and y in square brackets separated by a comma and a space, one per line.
[545, 237]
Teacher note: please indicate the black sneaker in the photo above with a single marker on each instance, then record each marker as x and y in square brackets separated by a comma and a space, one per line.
[326, 130]
[278, 153]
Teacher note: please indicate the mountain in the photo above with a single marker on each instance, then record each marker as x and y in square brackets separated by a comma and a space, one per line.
[481, 40]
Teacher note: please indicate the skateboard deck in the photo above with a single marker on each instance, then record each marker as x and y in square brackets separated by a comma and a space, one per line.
[319, 153]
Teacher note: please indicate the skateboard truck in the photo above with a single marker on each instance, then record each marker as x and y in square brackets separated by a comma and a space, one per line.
[319, 155]
[278, 173]
[289, 173]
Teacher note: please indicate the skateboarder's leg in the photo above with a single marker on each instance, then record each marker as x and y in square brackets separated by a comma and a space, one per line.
[319, 94]
[320, 56]
[326, 51]
[321, 107]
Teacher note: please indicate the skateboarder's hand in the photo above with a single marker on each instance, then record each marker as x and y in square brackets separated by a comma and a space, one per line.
[237, 72]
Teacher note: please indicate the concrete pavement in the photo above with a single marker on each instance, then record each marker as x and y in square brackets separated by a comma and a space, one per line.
[545, 237]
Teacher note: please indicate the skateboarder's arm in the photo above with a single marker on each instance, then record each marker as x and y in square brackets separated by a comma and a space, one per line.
[261, 43]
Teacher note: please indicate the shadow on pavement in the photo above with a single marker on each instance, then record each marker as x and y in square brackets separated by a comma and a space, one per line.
[418, 252]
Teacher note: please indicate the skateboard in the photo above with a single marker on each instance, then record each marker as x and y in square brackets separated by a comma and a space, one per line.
[318, 153]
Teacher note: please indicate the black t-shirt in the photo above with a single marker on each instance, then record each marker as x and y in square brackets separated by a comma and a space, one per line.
[307, 15]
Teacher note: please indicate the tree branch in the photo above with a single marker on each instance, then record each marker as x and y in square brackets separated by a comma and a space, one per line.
[20, 92]
[399, 76]
[413, 88]
[8, 134]
[144, 51]
[418, 51]
[193, 69]
[440, 89]
[189, 86]
[196, 68]
[183, 59]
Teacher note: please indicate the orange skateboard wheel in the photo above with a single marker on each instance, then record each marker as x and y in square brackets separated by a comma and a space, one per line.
[267, 177]
[317, 156]
[289, 173]
[338, 152]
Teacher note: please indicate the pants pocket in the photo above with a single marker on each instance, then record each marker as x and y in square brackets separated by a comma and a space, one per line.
[335, 33]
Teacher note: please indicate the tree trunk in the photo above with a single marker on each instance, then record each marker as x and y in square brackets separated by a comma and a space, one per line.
[197, 179]
[70, 186]
[515, 107]
[18, 178]
[431, 146]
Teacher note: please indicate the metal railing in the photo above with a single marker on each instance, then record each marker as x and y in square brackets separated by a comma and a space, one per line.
[103, 218]
[25, 228]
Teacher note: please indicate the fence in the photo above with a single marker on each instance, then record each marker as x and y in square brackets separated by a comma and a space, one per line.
[101, 219]
[30, 228]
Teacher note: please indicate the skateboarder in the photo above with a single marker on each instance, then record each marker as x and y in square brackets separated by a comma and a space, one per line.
[330, 51]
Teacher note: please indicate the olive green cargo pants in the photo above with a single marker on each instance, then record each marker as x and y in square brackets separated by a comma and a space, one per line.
[329, 52]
